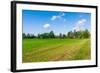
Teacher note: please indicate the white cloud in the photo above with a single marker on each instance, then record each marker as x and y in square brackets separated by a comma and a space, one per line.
[76, 28]
[57, 16]
[46, 26]
[54, 17]
[79, 24]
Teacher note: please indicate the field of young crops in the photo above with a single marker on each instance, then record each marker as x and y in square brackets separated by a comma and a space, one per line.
[44, 50]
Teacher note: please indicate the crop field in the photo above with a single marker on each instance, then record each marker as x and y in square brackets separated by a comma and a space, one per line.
[44, 50]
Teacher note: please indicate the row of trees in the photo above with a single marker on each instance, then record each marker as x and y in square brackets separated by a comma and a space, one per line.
[79, 34]
[70, 34]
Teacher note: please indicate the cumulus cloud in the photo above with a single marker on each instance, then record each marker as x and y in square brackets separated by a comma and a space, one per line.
[79, 24]
[54, 17]
[57, 16]
[46, 26]
[77, 28]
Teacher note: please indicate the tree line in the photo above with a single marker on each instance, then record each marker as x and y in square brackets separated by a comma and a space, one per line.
[70, 34]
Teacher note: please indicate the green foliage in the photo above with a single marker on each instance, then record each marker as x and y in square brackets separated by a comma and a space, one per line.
[71, 34]
[24, 35]
[79, 34]
[86, 34]
[28, 35]
[51, 34]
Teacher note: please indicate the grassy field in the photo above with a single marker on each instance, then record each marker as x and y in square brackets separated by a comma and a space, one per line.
[43, 50]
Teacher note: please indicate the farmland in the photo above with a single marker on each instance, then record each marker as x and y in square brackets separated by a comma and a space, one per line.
[44, 50]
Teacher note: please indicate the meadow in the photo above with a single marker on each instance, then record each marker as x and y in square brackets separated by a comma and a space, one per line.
[44, 50]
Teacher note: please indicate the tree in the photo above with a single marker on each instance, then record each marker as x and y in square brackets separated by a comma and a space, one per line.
[28, 35]
[32, 36]
[45, 35]
[39, 35]
[78, 34]
[75, 34]
[64, 36]
[60, 35]
[86, 34]
[70, 34]
[24, 35]
[51, 34]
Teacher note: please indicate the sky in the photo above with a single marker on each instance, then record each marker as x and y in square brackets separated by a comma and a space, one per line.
[35, 22]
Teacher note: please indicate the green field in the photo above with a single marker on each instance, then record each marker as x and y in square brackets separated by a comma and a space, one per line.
[43, 50]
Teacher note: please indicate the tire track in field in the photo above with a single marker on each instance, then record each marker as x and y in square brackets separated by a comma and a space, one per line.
[69, 53]
[29, 57]
[48, 49]
[44, 50]
[55, 57]
[84, 55]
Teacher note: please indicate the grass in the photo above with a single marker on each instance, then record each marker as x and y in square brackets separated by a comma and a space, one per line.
[43, 50]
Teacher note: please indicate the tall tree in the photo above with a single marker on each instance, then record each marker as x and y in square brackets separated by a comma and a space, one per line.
[70, 34]
[60, 35]
[86, 34]
[64, 36]
[51, 34]
[24, 35]
[28, 35]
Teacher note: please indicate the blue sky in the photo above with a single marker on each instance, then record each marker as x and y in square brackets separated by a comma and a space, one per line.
[35, 22]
